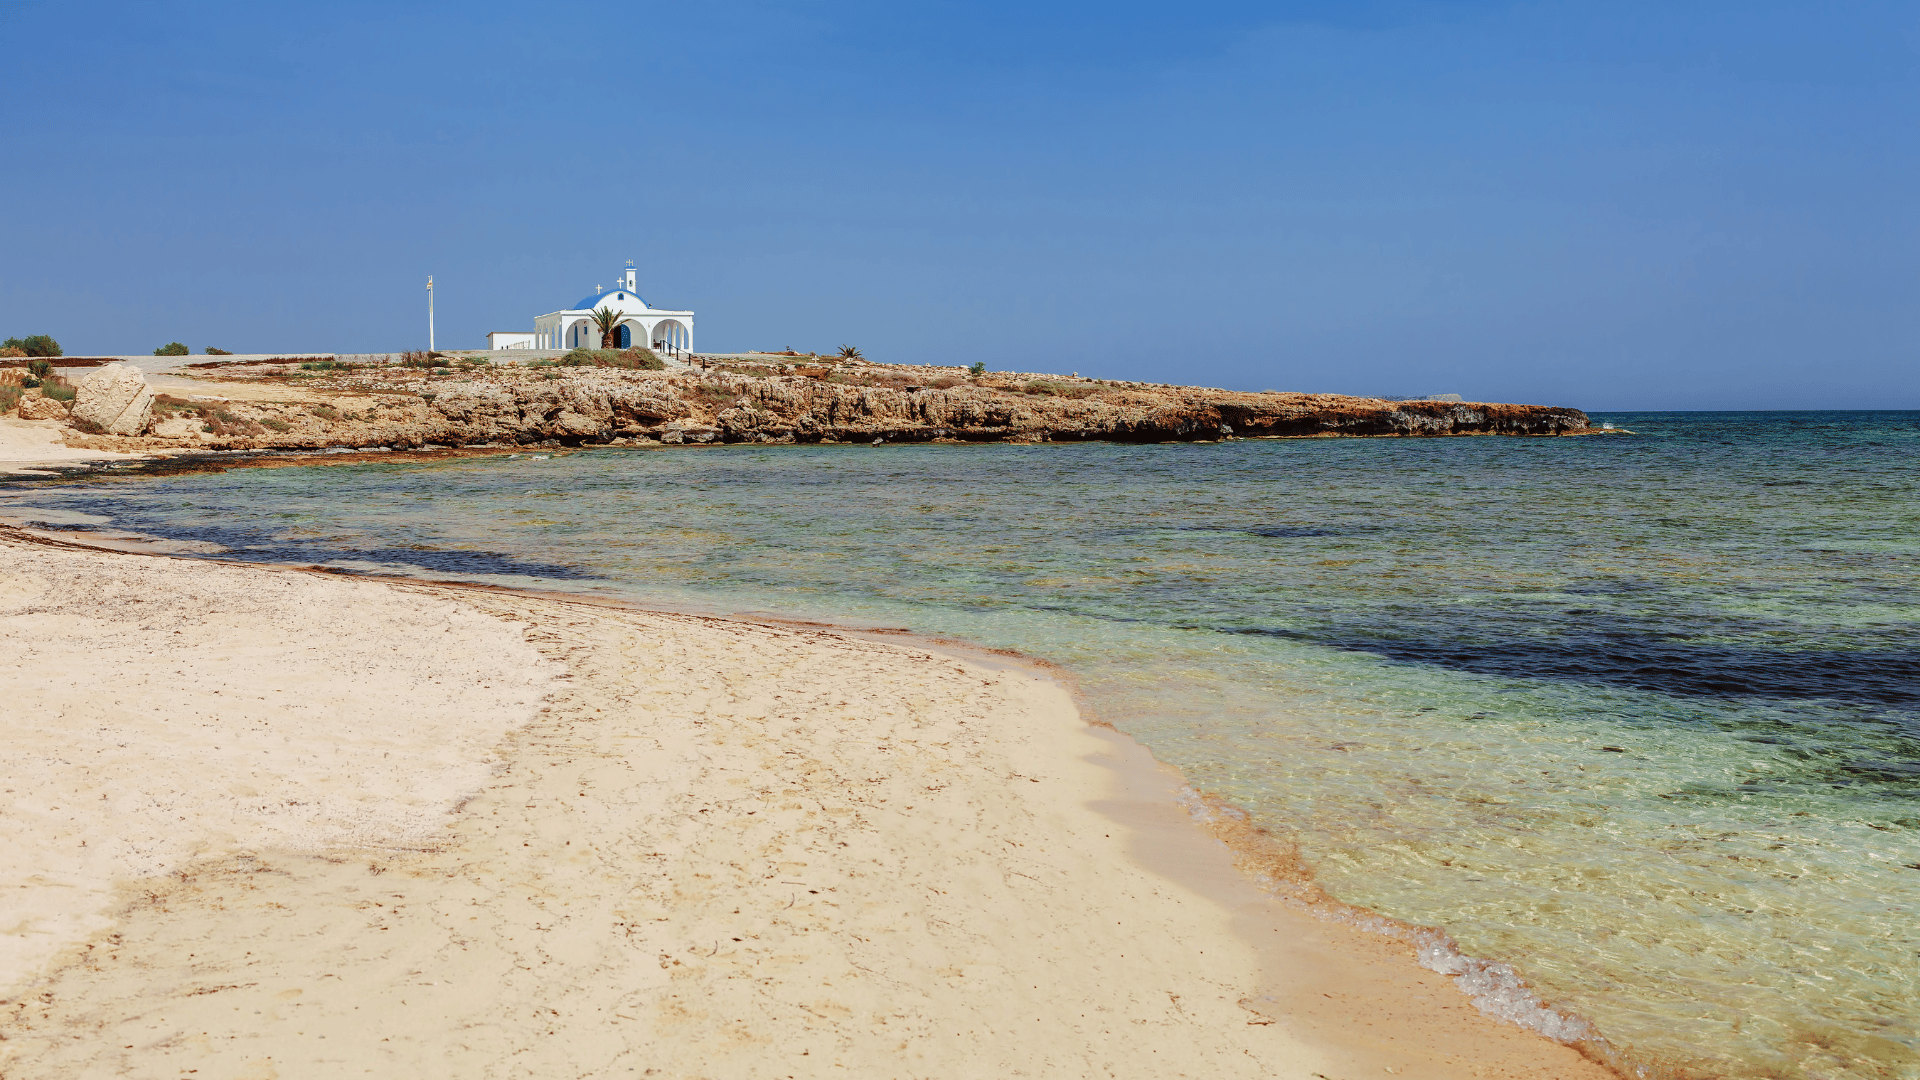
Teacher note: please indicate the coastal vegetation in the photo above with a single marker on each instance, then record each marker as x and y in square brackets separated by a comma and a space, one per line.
[57, 388]
[31, 345]
[216, 420]
[636, 358]
[172, 348]
[211, 351]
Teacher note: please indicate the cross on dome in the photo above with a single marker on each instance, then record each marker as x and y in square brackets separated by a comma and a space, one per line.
[669, 331]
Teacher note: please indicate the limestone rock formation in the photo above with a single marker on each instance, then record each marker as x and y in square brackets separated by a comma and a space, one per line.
[114, 398]
[402, 408]
[180, 428]
[42, 408]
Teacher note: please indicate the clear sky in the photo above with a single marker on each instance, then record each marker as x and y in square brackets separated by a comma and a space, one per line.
[1610, 205]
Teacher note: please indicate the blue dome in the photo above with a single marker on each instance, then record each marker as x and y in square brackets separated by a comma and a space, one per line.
[591, 302]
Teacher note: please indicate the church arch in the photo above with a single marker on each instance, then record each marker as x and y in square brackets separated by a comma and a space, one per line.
[633, 332]
[673, 333]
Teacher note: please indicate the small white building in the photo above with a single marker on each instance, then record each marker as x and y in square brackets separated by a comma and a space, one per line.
[509, 339]
[668, 332]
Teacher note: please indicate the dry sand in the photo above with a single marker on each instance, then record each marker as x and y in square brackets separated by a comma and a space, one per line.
[342, 839]
[27, 444]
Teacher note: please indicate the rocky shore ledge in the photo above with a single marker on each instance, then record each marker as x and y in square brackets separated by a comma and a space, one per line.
[313, 405]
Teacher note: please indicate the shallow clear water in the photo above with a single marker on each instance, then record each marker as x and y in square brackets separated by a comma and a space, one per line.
[1638, 714]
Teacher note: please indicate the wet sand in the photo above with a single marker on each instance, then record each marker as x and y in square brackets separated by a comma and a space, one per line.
[338, 826]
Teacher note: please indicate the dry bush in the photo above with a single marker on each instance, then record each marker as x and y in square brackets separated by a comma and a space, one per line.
[58, 388]
[1053, 389]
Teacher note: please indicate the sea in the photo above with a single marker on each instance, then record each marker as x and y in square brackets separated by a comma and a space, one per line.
[1632, 719]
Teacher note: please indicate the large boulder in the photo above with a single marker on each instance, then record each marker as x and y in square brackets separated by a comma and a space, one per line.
[114, 398]
[42, 408]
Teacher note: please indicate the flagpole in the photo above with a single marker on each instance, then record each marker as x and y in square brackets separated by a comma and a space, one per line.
[429, 312]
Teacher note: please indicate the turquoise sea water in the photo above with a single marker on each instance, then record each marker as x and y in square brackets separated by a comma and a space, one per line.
[1638, 715]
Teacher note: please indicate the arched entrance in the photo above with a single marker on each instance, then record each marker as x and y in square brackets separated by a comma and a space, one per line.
[672, 334]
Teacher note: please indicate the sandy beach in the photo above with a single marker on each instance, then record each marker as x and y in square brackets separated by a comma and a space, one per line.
[29, 446]
[275, 823]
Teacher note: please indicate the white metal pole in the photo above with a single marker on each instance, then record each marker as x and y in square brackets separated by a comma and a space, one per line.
[429, 312]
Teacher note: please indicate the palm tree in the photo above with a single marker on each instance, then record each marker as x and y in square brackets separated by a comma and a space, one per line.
[848, 352]
[608, 320]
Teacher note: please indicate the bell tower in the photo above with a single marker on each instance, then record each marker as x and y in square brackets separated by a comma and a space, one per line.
[629, 278]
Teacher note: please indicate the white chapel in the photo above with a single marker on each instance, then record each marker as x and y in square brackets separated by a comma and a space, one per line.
[666, 331]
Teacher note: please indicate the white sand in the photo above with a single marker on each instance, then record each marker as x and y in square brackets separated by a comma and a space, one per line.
[153, 717]
[25, 444]
[719, 850]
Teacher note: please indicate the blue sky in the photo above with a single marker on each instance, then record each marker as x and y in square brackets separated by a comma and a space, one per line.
[1605, 205]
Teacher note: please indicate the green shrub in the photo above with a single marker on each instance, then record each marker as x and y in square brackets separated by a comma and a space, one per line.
[643, 359]
[325, 412]
[1054, 389]
[57, 388]
[276, 424]
[632, 359]
[33, 345]
[172, 348]
[979, 367]
[40, 368]
[211, 351]
[9, 397]
[28, 382]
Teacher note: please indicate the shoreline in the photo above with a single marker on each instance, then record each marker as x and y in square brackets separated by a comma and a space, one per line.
[1293, 948]
[631, 399]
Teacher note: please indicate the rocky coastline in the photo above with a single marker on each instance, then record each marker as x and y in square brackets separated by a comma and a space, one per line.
[319, 405]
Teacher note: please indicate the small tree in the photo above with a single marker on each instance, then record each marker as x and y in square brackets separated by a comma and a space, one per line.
[41, 369]
[979, 368]
[36, 345]
[608, 320]
[848, 352]
[172, 348]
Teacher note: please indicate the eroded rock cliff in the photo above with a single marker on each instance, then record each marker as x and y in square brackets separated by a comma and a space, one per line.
[390, 406]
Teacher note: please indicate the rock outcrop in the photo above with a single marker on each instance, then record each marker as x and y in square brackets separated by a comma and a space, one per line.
[42, 408]
[387, 406]
[115, 399]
